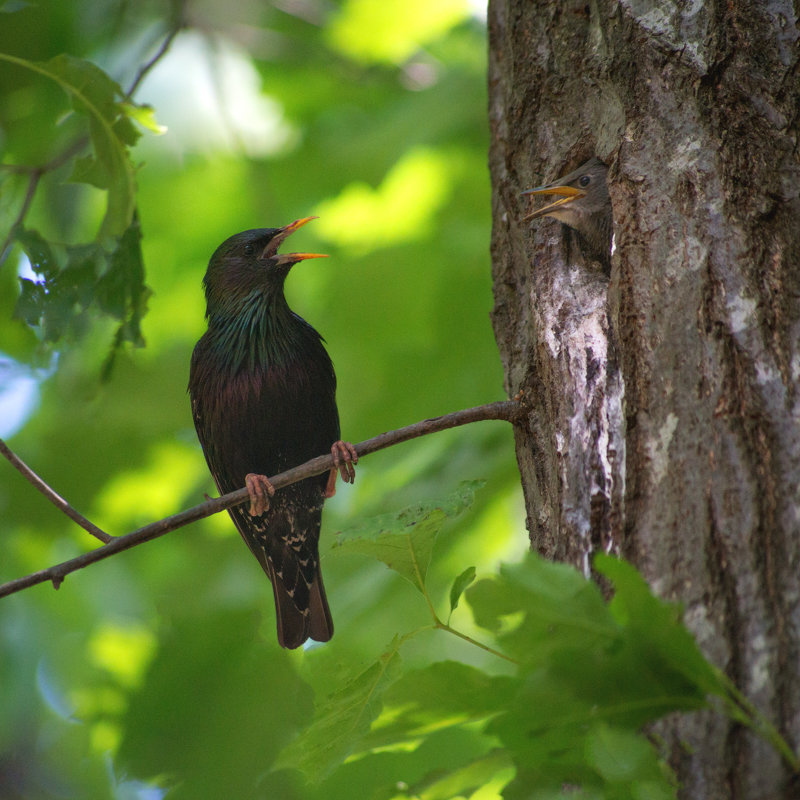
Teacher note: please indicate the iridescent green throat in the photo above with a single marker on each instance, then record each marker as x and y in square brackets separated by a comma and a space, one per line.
[258, 330]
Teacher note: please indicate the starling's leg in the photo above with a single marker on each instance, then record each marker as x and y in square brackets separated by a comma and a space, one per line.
[344, 458]
[260, 491]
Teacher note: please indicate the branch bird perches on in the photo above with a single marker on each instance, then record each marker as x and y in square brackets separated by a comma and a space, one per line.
[508, 410]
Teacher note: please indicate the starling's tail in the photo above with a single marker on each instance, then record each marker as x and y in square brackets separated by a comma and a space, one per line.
[320, 622]
[296, 624]
[284, 540]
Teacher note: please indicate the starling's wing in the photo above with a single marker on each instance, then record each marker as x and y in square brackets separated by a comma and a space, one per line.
[266, 422]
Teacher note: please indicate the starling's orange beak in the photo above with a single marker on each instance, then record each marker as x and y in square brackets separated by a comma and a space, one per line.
[293, 258]
[271, 249]
[568, 194]
[304, 256]
[293, 226]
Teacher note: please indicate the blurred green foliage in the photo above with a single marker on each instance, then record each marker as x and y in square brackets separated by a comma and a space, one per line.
[373, 119]
[158, 669]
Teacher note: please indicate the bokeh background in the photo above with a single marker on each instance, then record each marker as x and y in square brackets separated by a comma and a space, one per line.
[158, 668]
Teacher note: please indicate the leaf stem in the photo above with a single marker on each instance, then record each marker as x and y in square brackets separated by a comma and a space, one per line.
[758, 721]
[445, 627]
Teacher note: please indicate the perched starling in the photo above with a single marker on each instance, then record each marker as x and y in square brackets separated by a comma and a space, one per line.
[263, 392]
[584, 205]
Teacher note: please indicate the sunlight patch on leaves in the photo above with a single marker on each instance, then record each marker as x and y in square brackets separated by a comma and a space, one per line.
[123, 650]
[404, 539]
[392, 30]
[400, 210]
[493, 770]
[151, 491]
[444, 694]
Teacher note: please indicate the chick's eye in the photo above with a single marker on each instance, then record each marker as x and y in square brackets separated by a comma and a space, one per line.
[585, 180]
[249, 249]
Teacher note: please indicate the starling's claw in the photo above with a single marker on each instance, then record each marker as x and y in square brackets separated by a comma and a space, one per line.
[260, 490]
[330, 488]
[345, 458]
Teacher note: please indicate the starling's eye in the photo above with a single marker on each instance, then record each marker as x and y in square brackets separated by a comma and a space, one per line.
[585, 180]
[249, 249]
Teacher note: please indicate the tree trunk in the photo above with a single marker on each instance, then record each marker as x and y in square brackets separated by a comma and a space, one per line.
[664, 412]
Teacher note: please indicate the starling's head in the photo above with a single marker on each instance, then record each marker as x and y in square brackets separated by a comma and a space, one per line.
[249, 263]
[583, 201]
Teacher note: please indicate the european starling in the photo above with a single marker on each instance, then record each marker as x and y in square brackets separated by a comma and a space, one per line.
[584, 205]
[263, 391]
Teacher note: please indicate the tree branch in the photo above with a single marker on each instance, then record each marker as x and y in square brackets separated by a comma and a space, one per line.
[503, 410]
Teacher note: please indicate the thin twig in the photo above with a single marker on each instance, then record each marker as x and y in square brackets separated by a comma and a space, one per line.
[33, 183]
[34, 176]
[504, 410]
[56, 499]
[158, 55]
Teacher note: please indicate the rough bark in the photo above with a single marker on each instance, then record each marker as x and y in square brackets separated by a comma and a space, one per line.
[664, 403]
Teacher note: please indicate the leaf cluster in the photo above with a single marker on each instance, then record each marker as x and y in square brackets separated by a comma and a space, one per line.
[587, 676]
[107, 273]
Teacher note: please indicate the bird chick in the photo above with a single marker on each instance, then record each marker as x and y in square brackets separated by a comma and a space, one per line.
[584, 205]
[263, 394]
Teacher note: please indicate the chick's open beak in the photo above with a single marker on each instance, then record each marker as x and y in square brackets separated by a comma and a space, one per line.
[568, 195]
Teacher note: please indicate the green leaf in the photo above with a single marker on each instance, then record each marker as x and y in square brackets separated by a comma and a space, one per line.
[660, 634]
[30, 302]
[536, 600]
[343, 719]
[145, 115]
[404, 540]
[494, 768]
[445, 693]
[87, 169]
[75, 277]
[39, 252]
[459, 584]
[620, 756]
[94, 94]
[595, 673]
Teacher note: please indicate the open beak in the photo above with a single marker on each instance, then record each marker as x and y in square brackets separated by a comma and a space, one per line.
[293, 258]
[568, 195]
[270, 251]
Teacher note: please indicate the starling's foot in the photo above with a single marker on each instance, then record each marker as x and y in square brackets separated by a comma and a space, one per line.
[344, 458]
[260, 491]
